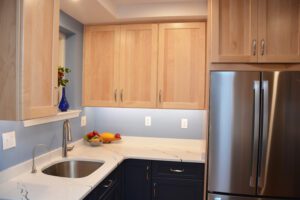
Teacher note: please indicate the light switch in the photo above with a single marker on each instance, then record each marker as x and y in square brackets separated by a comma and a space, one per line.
[9, 140]
[184, 123]
[83, 121]
[147, 121]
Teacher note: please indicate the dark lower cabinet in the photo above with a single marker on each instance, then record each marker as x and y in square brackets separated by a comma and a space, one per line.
[109, 189]
[176, 189]
[152, 180]
[137, 180]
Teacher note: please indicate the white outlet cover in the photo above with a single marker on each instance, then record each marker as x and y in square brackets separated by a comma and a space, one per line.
[184, 123]
[147, 121]
[83, 121]
[9, 140]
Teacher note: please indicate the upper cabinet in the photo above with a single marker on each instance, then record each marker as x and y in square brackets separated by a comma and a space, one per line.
[28, 58]
[255, 31]
[182, 65]
[279, 31]
[120, 66]
[101, 65]
[124, 66]
[138, 65]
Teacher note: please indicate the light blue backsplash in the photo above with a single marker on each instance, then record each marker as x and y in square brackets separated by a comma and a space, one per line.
[165, 123]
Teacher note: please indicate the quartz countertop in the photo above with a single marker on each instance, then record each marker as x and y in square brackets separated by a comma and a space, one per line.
[42, 186]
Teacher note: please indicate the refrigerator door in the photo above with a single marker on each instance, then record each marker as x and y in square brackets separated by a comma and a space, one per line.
[279, 167]
[227, 197]
[233, 132]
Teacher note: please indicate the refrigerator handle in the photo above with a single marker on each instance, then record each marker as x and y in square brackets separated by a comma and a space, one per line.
[255, 137]
[265, 126]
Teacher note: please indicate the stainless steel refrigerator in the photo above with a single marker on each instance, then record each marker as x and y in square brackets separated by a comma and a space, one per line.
[254, 136]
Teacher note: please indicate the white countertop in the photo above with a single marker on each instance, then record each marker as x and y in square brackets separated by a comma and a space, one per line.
[41, 186]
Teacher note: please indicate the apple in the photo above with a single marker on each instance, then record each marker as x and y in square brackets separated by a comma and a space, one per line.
[90, 135]
[118, 136]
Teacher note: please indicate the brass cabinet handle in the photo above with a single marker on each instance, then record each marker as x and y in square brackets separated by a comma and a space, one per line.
[254, 47]
[262, 46]
[121, 96]
[115, 95]
[159, 96]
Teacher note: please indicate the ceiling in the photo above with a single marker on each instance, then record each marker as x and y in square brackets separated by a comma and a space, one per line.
[115, 11]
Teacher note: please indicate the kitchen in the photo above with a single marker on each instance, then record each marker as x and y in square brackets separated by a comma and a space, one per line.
[151, 71]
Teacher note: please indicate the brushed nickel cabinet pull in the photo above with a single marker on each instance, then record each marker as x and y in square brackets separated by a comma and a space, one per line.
[262, 46]
[254, 47]
[110, 182]
[115, 95]
[121, 96]
[159, 96]
[154, 190]
[177, 170]
[147, 173]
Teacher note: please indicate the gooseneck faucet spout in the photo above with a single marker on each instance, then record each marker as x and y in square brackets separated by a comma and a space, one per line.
[67, 137]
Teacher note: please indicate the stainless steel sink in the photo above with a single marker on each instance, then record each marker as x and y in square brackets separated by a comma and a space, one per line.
[73, 168]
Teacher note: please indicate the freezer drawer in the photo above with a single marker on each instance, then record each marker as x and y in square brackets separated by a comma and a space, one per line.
[230, 197]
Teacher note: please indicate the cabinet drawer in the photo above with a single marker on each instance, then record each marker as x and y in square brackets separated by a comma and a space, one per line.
[105, 186]
[182, 170]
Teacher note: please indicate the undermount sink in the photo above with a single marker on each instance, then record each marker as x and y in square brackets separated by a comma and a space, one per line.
[73, 168]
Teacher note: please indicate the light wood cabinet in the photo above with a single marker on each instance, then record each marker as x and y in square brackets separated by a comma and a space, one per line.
[279, 31]
[234, 30]
[28, 58]
[101, 65]
[182, 65]
[255, 31]
[120, 66]
[138, 65]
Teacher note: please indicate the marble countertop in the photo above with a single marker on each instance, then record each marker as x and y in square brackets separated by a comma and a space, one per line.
[18, 181]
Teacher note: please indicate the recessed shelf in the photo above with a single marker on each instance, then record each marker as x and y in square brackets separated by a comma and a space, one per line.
[59, 117]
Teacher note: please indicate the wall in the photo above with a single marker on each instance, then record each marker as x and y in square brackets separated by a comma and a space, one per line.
[165, 123]
[51, 134]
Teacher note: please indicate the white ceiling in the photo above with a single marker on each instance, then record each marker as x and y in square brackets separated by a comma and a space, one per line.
[114, 11]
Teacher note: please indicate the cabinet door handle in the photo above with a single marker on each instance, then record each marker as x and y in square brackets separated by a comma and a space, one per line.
[154, 190]
[110, 183]
[262, 46]
[177, 170]
[159, 96]
[115, 95]
[254, 47]
[147, 173]
[121, 96]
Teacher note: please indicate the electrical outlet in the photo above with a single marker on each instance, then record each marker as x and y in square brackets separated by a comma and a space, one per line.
[83, 121]
[147, 121]
[9, 140]
[184, 123]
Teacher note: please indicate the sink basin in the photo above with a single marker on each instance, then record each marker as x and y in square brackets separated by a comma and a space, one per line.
[73, 168]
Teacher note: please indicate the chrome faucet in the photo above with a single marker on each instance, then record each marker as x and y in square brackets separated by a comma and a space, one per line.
[67, 136]
[33, 170]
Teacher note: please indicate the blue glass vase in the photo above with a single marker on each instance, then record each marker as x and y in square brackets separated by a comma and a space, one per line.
[63, 105]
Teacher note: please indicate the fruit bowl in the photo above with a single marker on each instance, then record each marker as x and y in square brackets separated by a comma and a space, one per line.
[93, 138]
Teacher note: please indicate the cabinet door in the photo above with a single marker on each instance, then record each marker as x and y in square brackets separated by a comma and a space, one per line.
[234, 31]
[279, 31]
[182, 65]
[101, 61]
[40, 58]
[138, 65]
[177, 189]
[137, 180]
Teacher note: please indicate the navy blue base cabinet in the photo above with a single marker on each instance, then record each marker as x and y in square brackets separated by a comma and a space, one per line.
[137, 180]
[152, 180]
